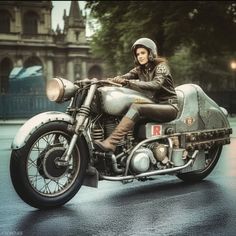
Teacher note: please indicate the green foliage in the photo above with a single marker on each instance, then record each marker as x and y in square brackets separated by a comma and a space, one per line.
[210, 73]
[209, 25]
[199, 37]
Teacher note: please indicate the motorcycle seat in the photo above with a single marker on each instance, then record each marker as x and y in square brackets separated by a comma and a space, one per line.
[180, 97]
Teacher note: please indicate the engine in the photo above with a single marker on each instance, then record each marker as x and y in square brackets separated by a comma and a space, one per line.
[157, 156]
[142, 160]
[154, 156]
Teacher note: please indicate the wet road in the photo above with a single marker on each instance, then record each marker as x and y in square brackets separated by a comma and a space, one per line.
[163, 206]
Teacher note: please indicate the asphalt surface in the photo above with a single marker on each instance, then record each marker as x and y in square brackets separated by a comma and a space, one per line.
[163, 206]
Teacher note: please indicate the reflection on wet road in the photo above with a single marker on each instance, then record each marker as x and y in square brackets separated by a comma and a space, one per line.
[163, 206]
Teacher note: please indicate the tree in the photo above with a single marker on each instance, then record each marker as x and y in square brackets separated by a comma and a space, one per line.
[205, 29]
[208, 26]
[187, 67]
[121, 23]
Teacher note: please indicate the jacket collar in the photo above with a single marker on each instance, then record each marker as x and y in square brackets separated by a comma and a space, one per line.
[148, 66]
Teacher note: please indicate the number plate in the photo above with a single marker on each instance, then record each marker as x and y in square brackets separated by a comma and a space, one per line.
[156, 130]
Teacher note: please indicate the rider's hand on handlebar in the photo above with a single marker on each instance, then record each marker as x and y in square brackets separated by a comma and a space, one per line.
[84, 82]
[119, 80]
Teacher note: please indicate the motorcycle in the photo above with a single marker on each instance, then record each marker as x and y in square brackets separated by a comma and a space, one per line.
[53, 153]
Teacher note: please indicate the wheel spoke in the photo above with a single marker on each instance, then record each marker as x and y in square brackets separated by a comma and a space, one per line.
[34, 179]
[43, 188]
[59, 185]
[32, 164]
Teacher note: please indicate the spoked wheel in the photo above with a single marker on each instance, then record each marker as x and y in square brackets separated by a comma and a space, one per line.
[211, 158]
[36, 171]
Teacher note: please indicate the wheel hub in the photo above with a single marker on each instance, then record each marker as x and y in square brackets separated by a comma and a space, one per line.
[49, 168]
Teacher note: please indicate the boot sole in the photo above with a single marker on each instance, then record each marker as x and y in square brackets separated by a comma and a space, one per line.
[100, 148]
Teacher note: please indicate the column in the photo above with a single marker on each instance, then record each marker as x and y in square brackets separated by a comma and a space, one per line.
[19, 62]
[17, 21]
[70, 70]
[49, 69]
[84, 73]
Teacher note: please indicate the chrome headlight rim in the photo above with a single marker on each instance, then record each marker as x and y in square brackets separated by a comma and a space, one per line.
[60, 90]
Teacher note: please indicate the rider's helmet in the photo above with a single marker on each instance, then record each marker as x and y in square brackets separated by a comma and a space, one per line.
[148, 44]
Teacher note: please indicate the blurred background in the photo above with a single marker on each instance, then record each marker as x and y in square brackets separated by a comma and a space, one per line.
[85, 39]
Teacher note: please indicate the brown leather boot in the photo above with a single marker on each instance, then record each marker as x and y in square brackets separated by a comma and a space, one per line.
[110, 143]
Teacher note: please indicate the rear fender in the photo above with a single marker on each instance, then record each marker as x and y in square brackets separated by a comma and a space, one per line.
[197, 112]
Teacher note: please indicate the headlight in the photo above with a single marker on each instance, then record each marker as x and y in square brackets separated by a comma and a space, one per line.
[59, 90]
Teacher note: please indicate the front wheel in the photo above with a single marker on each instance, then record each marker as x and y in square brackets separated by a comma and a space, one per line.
[35, 175]
[211, 158]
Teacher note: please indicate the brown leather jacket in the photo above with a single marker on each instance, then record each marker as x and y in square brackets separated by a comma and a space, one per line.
[153, 80]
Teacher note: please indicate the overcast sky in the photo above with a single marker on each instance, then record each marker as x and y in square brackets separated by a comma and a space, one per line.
[58, 12]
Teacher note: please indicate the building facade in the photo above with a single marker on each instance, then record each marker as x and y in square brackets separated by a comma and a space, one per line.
[27, 39]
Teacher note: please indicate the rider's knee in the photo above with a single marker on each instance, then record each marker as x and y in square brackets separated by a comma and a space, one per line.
[133, 113]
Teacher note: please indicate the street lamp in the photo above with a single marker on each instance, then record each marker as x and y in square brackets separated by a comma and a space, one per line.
[233, 67]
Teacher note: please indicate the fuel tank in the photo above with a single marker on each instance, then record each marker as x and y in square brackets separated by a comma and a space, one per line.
[116, 101]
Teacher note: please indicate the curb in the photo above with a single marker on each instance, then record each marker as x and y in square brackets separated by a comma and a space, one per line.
[12, 122]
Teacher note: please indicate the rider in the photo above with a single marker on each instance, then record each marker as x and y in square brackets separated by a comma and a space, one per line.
[152, 77]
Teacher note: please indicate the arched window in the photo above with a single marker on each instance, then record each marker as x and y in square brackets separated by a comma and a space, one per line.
[95, 72]
[32, 80]
[30, 23]
[5, 69]
[32, 61]
[4, 21]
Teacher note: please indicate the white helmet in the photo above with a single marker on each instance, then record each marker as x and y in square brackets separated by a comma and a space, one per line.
[146, 43]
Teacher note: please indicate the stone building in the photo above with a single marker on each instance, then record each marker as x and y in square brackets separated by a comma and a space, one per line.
[27, 39]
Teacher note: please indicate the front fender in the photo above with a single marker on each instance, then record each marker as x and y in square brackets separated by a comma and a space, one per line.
[34, 123]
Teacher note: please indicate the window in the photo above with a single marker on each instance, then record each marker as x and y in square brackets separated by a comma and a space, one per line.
[4, 22]
[77, 36]
[30, 23]
[32, 61]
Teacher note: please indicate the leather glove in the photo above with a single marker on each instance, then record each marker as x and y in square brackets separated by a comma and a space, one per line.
[82, 82]
[119, 80]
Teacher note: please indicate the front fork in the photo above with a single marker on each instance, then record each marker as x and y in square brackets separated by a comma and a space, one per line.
[81, 125]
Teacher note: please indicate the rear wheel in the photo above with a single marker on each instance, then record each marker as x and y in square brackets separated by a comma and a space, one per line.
[35, 173]
[211, 158]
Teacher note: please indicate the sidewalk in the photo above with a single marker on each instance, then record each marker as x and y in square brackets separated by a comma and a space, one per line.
[232, 119]
[13, 121]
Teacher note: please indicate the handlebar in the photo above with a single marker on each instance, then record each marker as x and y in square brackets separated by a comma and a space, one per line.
[95, 81]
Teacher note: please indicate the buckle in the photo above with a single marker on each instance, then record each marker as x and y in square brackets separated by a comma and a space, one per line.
[172, 101]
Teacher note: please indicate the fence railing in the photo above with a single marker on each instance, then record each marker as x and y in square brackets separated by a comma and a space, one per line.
[26, 106]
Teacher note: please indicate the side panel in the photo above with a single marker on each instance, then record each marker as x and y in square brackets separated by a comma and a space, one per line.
[116, 101]
[34, 123]
[188, 119]
[211, 114]
[197, 112]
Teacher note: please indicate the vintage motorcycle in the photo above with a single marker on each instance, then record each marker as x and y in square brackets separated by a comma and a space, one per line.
[53, 153]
